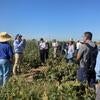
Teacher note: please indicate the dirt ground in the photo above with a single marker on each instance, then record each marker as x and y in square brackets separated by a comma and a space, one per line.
[29, 76]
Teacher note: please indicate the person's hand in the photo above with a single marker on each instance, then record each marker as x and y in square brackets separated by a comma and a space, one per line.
[11, 60]
[77, 62]
[23, 39]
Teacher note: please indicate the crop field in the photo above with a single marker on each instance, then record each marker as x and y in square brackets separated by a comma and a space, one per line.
[56, 80]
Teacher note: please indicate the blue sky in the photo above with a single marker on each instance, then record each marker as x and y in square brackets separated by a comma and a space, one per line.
[60, 19]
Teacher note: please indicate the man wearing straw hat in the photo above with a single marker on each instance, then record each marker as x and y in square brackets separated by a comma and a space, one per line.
[6, 55]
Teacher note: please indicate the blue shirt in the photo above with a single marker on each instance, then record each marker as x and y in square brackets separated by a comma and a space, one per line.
[97, 68]
[6, 51]
[19, 46]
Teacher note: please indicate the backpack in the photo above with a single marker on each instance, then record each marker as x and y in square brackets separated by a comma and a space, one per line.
[88, 72]
[91, 57]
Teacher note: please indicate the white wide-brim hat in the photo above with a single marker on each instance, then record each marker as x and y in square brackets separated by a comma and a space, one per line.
[4, 37]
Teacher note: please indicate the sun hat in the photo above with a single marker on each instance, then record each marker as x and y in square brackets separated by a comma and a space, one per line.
[4, 37]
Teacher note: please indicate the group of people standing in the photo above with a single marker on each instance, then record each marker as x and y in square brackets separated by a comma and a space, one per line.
[85, 52]
[44, 48]
[6, 56]
[67, 49]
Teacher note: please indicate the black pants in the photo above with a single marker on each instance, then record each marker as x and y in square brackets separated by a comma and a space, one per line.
[46, 54]
[91, 75]
[42, 56]
[84, 74]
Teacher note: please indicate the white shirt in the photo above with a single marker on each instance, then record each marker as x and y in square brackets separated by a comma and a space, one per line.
[70, 51]
[42, 45]
[78, 45]
[55, 44]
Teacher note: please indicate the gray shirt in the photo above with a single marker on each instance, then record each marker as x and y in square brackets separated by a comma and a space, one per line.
[83, 52]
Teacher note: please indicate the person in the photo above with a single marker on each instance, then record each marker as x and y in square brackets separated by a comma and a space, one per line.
[78, 44]
[63, 49]
[70, 53]
[46, 50]
[97, 69]
[59, 49]
[6, 57]
[19, 46]
[55, 46]
[42, 46]
[87, 57]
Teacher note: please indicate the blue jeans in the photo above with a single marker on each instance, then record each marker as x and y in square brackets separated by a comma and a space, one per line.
[5, 71]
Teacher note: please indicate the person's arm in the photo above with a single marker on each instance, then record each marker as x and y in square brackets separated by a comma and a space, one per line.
[18, 45]
[57, 44]
[12, 59]
[10, 53]
[40, 44]
[53, 45]
[80, 52]
[78, 57]
[24, 43]
[72, 48]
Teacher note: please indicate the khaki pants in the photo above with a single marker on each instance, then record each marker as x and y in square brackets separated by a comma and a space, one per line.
[55, 52]
[18, 61]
